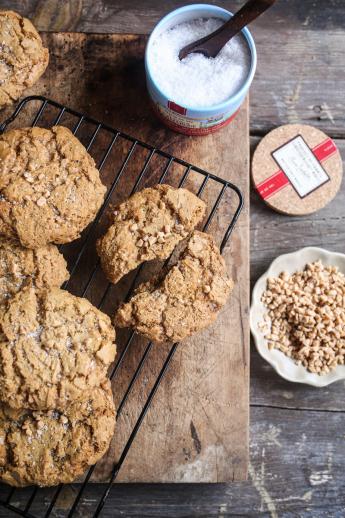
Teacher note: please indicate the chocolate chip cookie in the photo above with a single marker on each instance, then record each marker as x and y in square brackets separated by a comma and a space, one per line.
[51, 447]
[148, 226]
[50, 189]
[184, 300]
[53, 346]
[23, 59]
[20, 267]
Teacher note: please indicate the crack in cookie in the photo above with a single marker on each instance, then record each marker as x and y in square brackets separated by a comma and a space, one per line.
[184, 299]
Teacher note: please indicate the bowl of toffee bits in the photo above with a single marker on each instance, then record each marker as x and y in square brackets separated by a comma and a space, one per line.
[298, 316]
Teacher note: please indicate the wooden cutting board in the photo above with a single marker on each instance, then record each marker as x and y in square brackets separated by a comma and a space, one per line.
[197, 428]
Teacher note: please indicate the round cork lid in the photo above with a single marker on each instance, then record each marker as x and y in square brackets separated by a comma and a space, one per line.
[297, 169]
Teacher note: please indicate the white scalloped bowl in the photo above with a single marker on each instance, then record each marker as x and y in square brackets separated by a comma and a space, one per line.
[283, 365]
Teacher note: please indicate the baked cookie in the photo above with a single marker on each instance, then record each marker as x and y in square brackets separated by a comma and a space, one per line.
[148, 226]
[185, 299]
[20, 267]
[50, 189]
[52, 447]
[53, 346]
[23, 59]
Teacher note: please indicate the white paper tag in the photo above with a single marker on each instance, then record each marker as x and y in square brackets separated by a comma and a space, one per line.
[301, 166]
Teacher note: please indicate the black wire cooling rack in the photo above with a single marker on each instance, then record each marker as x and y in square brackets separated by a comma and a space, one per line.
[126, 165]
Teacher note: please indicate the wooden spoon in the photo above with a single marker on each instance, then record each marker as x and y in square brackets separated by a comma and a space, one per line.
[213, 43]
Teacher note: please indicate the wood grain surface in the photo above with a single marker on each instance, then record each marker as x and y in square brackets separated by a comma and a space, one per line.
[197, 427]
[306, 481]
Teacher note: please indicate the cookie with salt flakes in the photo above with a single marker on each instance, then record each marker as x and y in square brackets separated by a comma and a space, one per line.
[46, 448]
[53, 347]
[50, 188]
[23, 58]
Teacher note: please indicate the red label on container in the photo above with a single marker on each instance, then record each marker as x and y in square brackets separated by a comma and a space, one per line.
[279, 180]
[195, 131]
[177, 108]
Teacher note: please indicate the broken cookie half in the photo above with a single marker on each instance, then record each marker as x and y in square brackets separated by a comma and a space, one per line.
[185, 300]
[148, 226]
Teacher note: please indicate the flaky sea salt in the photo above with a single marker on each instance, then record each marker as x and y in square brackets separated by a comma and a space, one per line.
[36, 334]
[198, 81]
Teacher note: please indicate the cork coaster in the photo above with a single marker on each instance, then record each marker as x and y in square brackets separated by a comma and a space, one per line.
[297, 169]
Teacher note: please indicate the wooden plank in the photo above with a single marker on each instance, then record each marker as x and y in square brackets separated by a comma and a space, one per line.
[197, 428]
[121, 16]
[296, 470]
[301, 62]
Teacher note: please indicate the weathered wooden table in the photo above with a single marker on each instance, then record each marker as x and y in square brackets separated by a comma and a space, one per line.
[297, 466]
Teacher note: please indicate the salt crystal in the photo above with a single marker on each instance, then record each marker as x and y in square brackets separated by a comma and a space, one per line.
[198, 81]
[36, 334]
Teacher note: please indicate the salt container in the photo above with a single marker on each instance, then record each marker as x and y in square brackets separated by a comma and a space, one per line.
[216, 91]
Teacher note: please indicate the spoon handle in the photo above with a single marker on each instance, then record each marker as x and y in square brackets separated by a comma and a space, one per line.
[213, 43]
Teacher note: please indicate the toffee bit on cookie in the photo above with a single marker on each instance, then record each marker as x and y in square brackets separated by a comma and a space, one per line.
[134, 227]
[40, 425]
[41, 201]
[28, 177]
[152, 240]
[306, 316]
[179, 227]
[27, 429]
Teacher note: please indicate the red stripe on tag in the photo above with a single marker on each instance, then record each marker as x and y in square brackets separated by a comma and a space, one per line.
[279, 180]
[325, 150]
[273, 184]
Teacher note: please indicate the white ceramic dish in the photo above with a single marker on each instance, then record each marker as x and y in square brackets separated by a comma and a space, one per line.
[284, 366]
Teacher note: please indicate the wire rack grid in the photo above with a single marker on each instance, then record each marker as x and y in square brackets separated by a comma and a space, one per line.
[132, 165]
